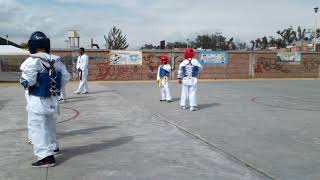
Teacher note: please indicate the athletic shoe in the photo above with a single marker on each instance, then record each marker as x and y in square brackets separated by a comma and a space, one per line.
[56, 151]
[183, 107]
[46, 162]
[169, 101]
[29, 141]
[85, 92]
[77, 92]
[193, 108]
[61, 100]
[162, 100]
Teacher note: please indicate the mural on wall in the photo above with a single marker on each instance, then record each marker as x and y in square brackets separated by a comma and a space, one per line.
[126, 57]
[289, 57]
[209, 57]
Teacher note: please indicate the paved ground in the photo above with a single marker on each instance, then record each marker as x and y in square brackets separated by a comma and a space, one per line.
[244, 130]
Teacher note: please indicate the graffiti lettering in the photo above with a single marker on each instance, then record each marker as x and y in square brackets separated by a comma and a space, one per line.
[152, 62]
[311, 64]
[268, 64]
[116, 72]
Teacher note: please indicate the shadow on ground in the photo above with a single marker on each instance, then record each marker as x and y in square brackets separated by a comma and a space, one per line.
[83, 131]
[209, 105]
[72, 152]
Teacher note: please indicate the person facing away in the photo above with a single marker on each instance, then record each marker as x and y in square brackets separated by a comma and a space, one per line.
[83, 71]
[187, 76]
[43, 75]
[163, 79]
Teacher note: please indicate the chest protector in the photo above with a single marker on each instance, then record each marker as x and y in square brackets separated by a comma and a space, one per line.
[190, 70]
[163, 72]
[48, 83]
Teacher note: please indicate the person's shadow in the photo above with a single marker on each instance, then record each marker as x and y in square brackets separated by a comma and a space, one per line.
[102, 91]
[71, 152]
[175, 99]
[209, 105]
[82, 131]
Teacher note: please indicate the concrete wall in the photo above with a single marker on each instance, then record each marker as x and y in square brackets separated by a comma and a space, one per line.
[241, 65]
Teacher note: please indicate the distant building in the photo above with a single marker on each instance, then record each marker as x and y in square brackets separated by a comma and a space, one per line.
[4, 41]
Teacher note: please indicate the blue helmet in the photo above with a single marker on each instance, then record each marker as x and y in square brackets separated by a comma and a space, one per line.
[38, 40]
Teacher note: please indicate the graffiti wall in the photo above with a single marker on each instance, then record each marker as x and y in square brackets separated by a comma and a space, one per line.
[239, 65]
[267, 66]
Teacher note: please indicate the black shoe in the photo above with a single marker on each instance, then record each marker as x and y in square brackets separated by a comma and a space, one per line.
[56, 151]
[46, 162]
[162, 100]
[169, 101]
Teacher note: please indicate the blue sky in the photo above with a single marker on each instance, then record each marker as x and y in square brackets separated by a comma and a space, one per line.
[147, 21]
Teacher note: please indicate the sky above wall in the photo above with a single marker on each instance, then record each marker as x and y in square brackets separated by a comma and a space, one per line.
[149, 21]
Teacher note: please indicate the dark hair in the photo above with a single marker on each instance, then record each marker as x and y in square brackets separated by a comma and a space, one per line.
[82, 49]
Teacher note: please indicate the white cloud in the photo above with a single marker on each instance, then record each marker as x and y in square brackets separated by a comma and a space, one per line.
[151, 21]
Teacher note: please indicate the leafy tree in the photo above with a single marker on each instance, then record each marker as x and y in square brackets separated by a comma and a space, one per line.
[212, 41]
[116, 40]
[176, 45]
[24, 45]
[150, 46]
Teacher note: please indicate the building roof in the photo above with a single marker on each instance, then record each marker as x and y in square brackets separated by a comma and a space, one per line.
[8, 50]
[3, 41]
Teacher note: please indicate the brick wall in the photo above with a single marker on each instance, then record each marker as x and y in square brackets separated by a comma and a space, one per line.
[240, 65]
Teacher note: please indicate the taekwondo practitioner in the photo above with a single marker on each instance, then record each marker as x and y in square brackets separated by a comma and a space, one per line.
[163, 79]
[82, 68]
[26, 95]
[187, 76]
[63, 94]
[43, 74]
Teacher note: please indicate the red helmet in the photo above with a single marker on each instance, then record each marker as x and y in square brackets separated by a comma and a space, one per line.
[188, 53]
[164, 59]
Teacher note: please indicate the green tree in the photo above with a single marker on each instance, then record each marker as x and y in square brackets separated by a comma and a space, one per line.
[116, 40]
[24, 45]
[150, 46]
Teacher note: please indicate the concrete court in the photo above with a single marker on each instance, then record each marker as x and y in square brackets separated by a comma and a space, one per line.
[244, 130]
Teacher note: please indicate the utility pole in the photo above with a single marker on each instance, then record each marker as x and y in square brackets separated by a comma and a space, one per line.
[7, 38]
[315, 29]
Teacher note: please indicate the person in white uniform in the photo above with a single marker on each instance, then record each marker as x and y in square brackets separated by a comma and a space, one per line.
[163, 79]
[26, 94]
[187, 76]
[63, 94]
[43, 75]
[82, 68]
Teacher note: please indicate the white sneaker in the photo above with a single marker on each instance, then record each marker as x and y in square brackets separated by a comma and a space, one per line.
[77, 92]
[29, 141]
[183, 107]
[193, 108]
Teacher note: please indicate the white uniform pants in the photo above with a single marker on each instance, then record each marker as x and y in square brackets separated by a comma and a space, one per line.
[165, 91]
[83, 86]
[26, 95]
[43, 134]
[63, 94]
[188, 92]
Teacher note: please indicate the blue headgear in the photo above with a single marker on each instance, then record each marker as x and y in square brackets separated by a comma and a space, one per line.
[38, 40]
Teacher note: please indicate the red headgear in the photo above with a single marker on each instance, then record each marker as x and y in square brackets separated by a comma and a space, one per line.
[188, 53]
[164, 59]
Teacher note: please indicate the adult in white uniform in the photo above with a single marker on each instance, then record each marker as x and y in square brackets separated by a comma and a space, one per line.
[63, 94]
[43, 74]
[163, 79]
[82, 67]
[187, 75]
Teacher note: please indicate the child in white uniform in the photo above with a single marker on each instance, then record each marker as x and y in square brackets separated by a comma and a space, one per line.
[163, 77]
[187, 75]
